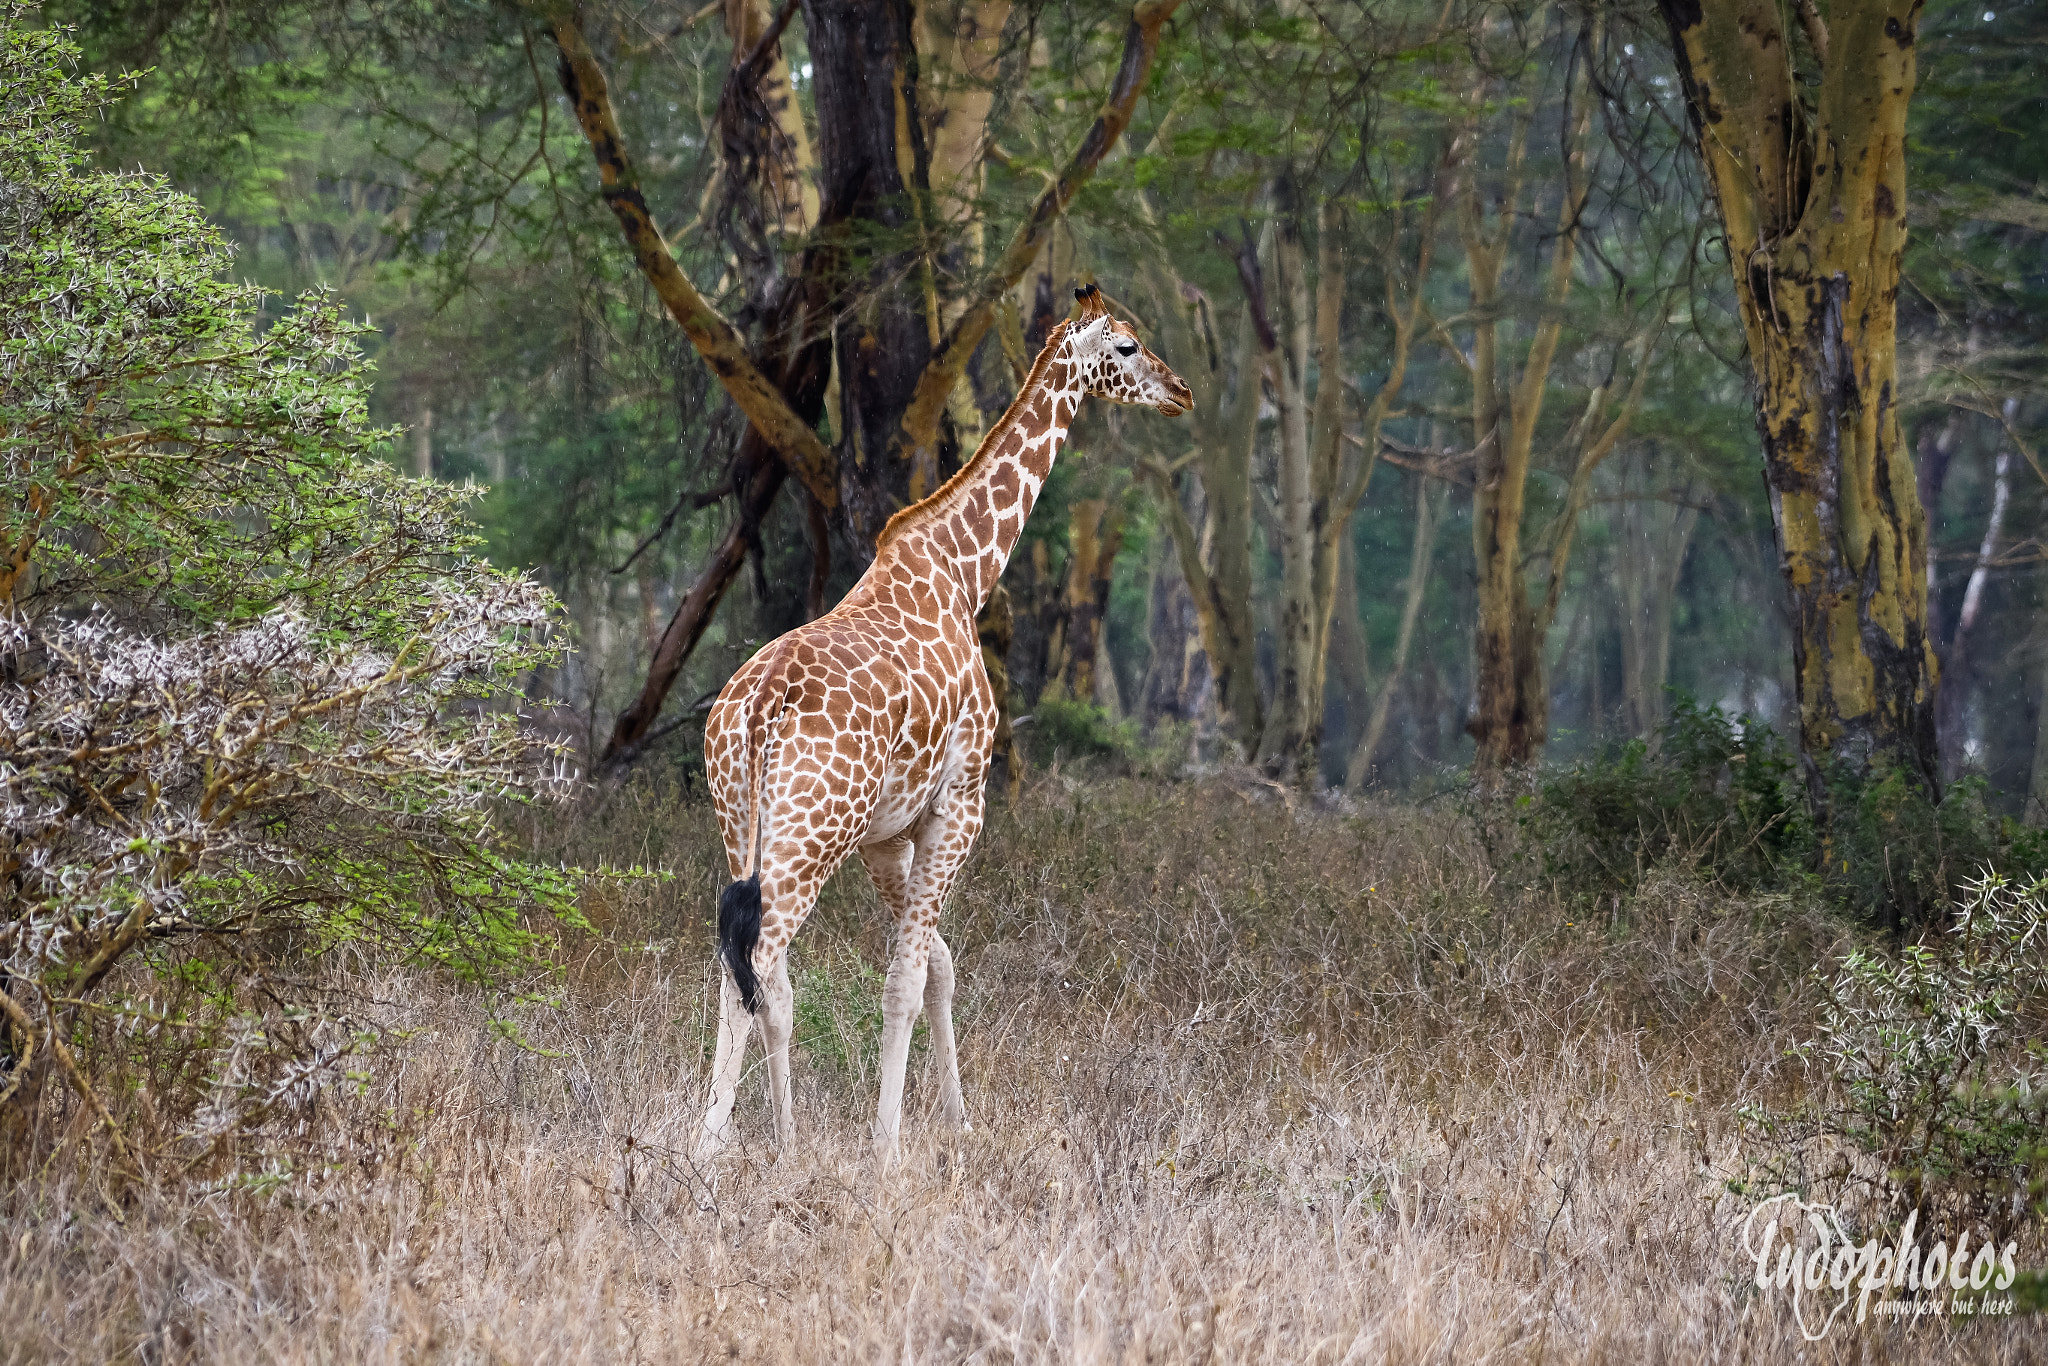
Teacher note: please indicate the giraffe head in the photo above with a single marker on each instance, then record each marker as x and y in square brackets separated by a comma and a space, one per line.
[1115, 365]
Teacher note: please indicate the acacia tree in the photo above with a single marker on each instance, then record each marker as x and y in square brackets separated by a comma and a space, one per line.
[1811, 187]
[1511, 700]
[254, 682]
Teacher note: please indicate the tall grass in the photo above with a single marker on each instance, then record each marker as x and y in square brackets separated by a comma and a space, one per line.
[1246, 1084]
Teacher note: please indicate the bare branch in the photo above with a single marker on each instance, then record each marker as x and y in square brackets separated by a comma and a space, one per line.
[956, 347]
[716, 340]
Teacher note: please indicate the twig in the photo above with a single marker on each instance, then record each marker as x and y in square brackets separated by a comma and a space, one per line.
[703, 498]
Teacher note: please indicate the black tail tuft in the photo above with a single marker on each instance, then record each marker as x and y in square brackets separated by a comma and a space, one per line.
[739, 929]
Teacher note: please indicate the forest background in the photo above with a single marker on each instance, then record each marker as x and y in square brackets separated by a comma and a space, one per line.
[1627, 412]
[1353, 225]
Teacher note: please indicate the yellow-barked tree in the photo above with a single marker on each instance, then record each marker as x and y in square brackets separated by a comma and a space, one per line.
[1811, 184]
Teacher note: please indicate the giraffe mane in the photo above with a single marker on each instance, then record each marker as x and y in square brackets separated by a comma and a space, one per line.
[903, 520]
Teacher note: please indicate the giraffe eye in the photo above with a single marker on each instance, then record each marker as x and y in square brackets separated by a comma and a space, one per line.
[1127, 348]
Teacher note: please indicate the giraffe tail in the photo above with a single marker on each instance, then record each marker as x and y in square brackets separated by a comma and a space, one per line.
[739, 930]
[739, 905]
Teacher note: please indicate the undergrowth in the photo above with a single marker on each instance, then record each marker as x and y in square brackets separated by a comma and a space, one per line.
[1247, 1081]
[1728, 798]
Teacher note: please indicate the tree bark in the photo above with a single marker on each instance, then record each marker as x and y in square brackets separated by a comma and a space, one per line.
[1095, 536]
[1423, 547]
[1814, 204]
[785, 178]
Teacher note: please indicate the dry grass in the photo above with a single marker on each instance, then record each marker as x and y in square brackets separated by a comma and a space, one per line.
[1246, 1085]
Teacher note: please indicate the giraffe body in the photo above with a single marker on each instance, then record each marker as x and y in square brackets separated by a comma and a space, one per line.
[869, 730]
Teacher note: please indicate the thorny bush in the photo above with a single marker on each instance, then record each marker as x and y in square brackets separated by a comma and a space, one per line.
[257, 694]
[1933, 1072]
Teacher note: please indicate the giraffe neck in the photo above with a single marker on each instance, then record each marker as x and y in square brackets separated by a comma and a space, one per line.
[968, 528]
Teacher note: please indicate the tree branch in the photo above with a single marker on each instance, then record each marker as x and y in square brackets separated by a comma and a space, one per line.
[721, 346]
[956, 346]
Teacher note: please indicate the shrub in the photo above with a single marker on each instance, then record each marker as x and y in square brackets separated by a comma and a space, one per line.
[1063, 730]
[1718, 793]
[256, 692]
[1728, 797]
[1933, 1070]
[1892, 852]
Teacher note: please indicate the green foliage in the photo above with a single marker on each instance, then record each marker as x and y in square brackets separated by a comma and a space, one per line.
[1716, 793]
[1729, 797]
[259, 693]
[1066, 729]
[1892, 850]
[838, 1015]
[1935, 1066]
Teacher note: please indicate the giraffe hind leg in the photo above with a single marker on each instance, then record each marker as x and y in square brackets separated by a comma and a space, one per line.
[739, 997]
[938, 1011]
[943, 842]
[728, 1059]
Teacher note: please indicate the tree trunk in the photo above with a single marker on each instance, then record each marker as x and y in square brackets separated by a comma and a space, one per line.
[1814, 205]
[1216, 557]
[1347, 663]
[423, 443]
[1426, 520]
[1287, 748]
[1957, 665]
[1651, 557]
[1176, 686]
[1511, 710]
[1095, 535]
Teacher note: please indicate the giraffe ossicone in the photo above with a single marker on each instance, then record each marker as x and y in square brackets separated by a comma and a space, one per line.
[868, 731]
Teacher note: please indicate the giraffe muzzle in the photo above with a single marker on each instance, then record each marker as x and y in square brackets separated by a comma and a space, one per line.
[1178, 400]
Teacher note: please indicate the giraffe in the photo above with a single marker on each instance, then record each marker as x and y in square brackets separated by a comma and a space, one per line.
[868, 731]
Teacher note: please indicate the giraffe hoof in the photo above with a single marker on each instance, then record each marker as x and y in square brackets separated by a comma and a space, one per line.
[706, 1152]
